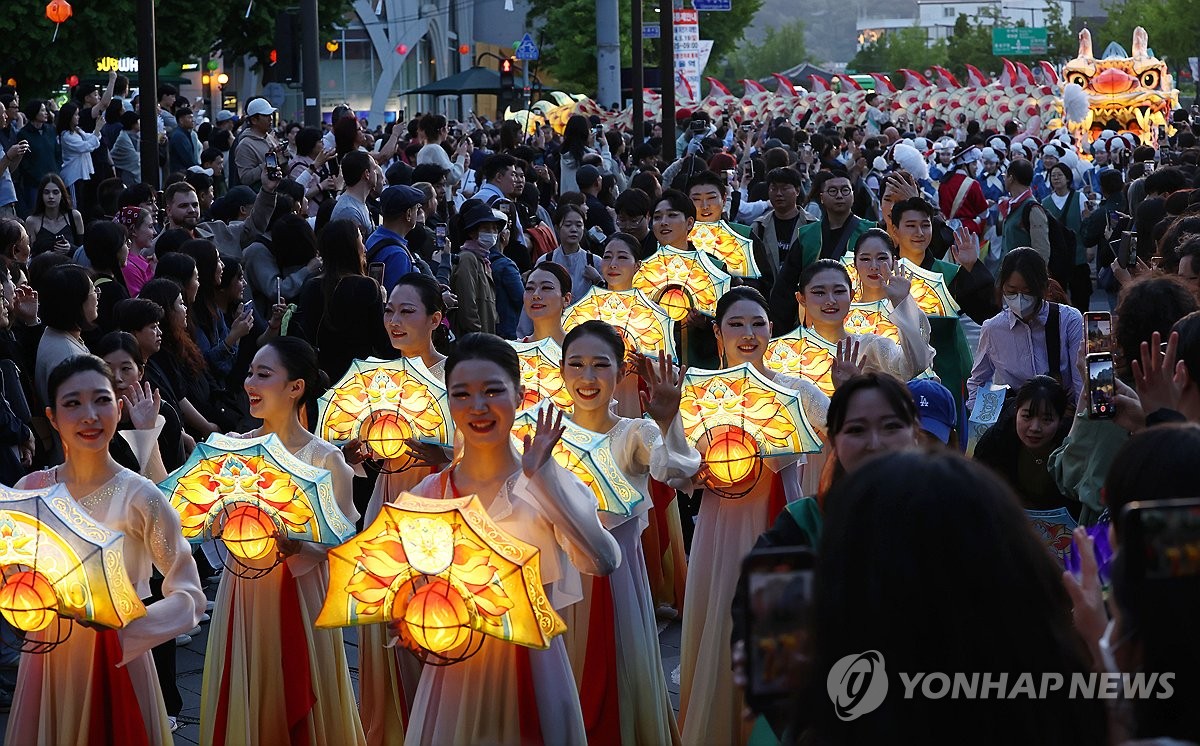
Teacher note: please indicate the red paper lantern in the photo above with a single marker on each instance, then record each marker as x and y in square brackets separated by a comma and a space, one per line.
[72, 81]
[58, 10]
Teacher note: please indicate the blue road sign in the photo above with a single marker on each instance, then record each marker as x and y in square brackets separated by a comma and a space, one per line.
[651, 31]
[527, 50]
[712, 4]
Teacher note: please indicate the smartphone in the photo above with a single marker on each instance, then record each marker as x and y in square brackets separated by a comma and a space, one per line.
[375, 271]
[731, 177]
[440, 237]
[596, 234]
[248, 307]
[272, 160]
[776, 612]
[278, 291]
[1156, 262]
[1102, 387]
[1099, 331]
[1161, 540]
[1127, 249]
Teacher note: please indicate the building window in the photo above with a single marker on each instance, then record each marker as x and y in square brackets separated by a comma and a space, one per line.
[948, 11]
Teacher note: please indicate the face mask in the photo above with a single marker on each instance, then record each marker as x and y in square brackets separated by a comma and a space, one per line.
[487, 240]
[1021, 304]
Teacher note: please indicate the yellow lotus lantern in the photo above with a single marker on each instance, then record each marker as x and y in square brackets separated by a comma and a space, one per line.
[643, 324]
[735, 418]
[587, 455]
[726, 244]
[249, 491]
[872, 318]
[929, 287]
[447, 574]
[541, 373]
[803, 352]
[57, 564]
[681, 281]
[384, 403]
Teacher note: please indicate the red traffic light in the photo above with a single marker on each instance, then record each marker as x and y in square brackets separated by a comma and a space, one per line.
[72, 81]
[402, 49]
[464, 49]
[506, 66]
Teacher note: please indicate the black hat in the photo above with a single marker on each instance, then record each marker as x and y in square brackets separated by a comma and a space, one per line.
[475, 212]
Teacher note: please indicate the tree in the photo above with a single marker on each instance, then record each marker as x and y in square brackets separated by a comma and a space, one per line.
[568, 37]
[902, 48]
[185, 31]
[781, 49]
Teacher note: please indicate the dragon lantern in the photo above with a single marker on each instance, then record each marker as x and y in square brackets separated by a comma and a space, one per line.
[1135, 91]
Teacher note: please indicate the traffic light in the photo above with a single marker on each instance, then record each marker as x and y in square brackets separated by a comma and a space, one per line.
[507, 80]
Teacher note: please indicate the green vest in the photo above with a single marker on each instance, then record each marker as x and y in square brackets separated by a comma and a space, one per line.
[1013, 233]
[809, 238]
[954, 357]
[1070, 217]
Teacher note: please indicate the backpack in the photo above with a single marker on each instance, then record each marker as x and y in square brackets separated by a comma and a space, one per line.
[1062, 244]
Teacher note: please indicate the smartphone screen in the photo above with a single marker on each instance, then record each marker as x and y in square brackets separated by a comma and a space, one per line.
[1102, 387]
[779, 585]
[272, 160]
[375, 272]
[1127, 249]
[1099, 331]
[596, 234]
[440, 236]
[1162, 539]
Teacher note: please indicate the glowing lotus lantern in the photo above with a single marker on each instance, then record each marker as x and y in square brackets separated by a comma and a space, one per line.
[644, 325]
[803, 352]
[929, 288]
[58, 11]
[248, 491]
[726, 244]
[447, 573]
[871, 318]
[541, 374]
[58, 564]
[736, 417]
[681, 281]
[587, 455]
[384, 403]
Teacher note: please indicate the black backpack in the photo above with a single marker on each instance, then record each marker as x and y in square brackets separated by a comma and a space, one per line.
[1062, 242]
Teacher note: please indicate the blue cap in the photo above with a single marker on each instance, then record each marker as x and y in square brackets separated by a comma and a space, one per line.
[935, 406]
[398, 199]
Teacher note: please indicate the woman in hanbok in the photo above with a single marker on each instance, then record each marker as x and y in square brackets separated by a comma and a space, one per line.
[710, 706]
[507, 693]
[547, 295]
[100, 685]
[269, 675]
[662, 544]
[611, 635]
[388, 674]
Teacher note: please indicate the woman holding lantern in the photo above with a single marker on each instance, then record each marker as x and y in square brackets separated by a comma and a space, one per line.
[507, 693]
[726, 529]
[269, 675]
[99, 685]
[611, 636]
[388, 674]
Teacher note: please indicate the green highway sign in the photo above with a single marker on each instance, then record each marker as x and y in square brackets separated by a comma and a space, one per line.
[1019, 41]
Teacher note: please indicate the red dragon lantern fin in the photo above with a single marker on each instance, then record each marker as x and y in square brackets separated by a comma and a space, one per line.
[975, 77]
[1048, 72]
[785, 85]
[716, 85]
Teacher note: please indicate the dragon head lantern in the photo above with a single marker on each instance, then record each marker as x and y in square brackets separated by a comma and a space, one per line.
[1135, 91]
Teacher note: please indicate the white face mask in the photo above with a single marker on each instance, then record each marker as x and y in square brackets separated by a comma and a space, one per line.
[1021, 304]
[487, 240]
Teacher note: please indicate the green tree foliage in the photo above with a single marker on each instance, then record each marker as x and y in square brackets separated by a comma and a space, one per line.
[903, 48]
[186, 30]
[1172, 25]
[568, 37]
[782, 48]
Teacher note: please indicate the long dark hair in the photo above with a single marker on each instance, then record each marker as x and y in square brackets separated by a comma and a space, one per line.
[65, 206]
[102, 243]
[178, 344]
[575, 137]
[299, 361]
[928, 559]
[338, 246]
[203, 311]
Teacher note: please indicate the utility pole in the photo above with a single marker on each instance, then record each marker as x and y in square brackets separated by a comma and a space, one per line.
[666, 74]
[637, 78]
[608, 52]
[148, 92]
[309, 45]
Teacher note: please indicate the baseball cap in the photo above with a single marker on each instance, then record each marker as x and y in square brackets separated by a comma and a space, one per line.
[396, 199]
[586, 176]
[259, 106]
[935, 406]
[224, 115]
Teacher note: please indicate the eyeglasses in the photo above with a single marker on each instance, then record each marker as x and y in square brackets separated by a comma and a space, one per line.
[843, 191]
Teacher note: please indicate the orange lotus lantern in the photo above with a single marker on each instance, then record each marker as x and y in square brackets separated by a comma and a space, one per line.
[248, 492]
[681, 281]
[27, 601]
[929, 287]
[58, 11]
[447, 574]
[385, 403]
[735, 418]
[643, 324]
[803, 352]
[57, 564]
[720, 240]
[541, 374]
